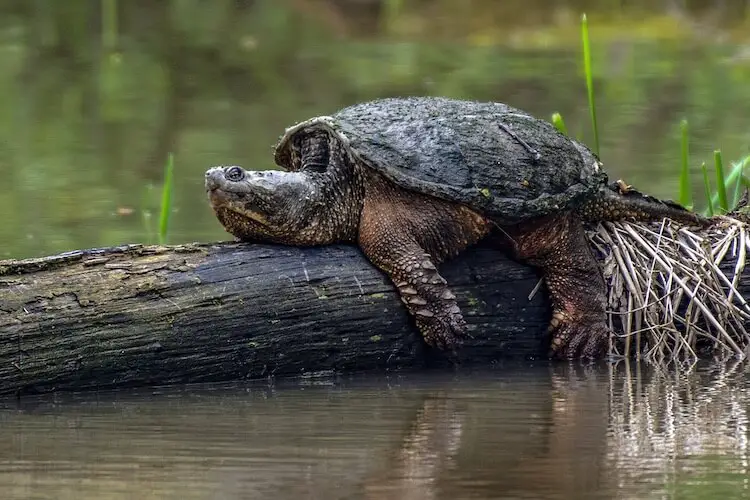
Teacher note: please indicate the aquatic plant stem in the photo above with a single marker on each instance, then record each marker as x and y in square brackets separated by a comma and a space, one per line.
[589, 79]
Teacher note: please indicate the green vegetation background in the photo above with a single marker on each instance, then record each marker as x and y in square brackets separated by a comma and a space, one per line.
[95, 94]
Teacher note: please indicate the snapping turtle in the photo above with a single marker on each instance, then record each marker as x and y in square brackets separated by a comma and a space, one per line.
[415, 181]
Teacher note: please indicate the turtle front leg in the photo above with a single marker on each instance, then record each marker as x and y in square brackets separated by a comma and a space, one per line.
[424, 292]
[406, 234]
[558, 245]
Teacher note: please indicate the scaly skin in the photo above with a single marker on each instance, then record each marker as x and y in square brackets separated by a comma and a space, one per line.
[557, 245]
[312, 206]
[328, 197]
[621, 202]
[406, 235]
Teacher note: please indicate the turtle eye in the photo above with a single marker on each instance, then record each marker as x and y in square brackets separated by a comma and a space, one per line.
[234, 174]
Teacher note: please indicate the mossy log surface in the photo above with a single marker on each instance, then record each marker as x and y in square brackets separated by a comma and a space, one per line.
[154, 315]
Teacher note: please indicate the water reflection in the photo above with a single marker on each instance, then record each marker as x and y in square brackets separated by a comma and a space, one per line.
[425, 454]
[536, 432]
[688, 432]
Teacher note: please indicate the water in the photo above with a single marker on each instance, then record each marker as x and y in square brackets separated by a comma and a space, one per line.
[543, 432]
[88, 114]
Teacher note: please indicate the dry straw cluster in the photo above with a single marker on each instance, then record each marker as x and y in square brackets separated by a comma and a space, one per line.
[674, 291]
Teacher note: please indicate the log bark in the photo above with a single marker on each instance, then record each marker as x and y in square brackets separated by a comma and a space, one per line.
[154, 315]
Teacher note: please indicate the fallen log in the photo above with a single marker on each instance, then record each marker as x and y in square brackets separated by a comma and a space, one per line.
[153, 315]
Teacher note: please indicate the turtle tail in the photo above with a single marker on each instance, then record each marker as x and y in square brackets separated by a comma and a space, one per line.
[618, 202]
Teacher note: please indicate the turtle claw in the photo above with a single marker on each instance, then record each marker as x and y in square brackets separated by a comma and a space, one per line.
[443, 328]
[578, 340]
[433, 305]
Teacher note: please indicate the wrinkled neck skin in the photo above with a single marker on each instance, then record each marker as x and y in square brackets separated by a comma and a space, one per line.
[294, 208]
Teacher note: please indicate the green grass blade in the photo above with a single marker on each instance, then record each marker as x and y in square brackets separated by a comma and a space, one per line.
[707, 186]
[721, 187]
[686, 198]
[589, 78]
[166, 199]
[735, 177]
[559, 123]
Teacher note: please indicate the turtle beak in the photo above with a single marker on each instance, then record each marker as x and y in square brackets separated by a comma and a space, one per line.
[214, 178]
[225, 184]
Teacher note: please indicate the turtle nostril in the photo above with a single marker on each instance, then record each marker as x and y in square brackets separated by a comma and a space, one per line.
[234, 174]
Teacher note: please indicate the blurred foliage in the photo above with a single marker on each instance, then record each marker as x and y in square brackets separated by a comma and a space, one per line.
[95, 93]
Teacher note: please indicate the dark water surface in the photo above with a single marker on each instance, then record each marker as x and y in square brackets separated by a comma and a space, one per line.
[518, 432]
[92, 102]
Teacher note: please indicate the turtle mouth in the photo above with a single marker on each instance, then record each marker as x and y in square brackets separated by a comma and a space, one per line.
[237, 203]
[217, 196]
[243, 227]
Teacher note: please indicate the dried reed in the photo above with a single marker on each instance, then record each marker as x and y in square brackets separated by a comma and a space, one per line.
[673, 290]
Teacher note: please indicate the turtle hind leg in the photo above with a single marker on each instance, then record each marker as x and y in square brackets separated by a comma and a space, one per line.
[557, 245]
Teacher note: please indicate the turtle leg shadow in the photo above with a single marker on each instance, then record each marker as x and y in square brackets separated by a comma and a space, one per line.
[557, 245]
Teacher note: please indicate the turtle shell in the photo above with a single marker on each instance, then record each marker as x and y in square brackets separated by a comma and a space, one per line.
[494, 158]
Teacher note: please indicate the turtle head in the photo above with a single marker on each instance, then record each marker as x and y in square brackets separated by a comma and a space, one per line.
[317, 201]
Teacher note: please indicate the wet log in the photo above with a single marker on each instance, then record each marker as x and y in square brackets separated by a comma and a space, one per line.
[155, 315]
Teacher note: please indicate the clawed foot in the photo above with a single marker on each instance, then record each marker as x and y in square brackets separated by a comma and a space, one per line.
[443, 326]
[578, 339]
[433, 305]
